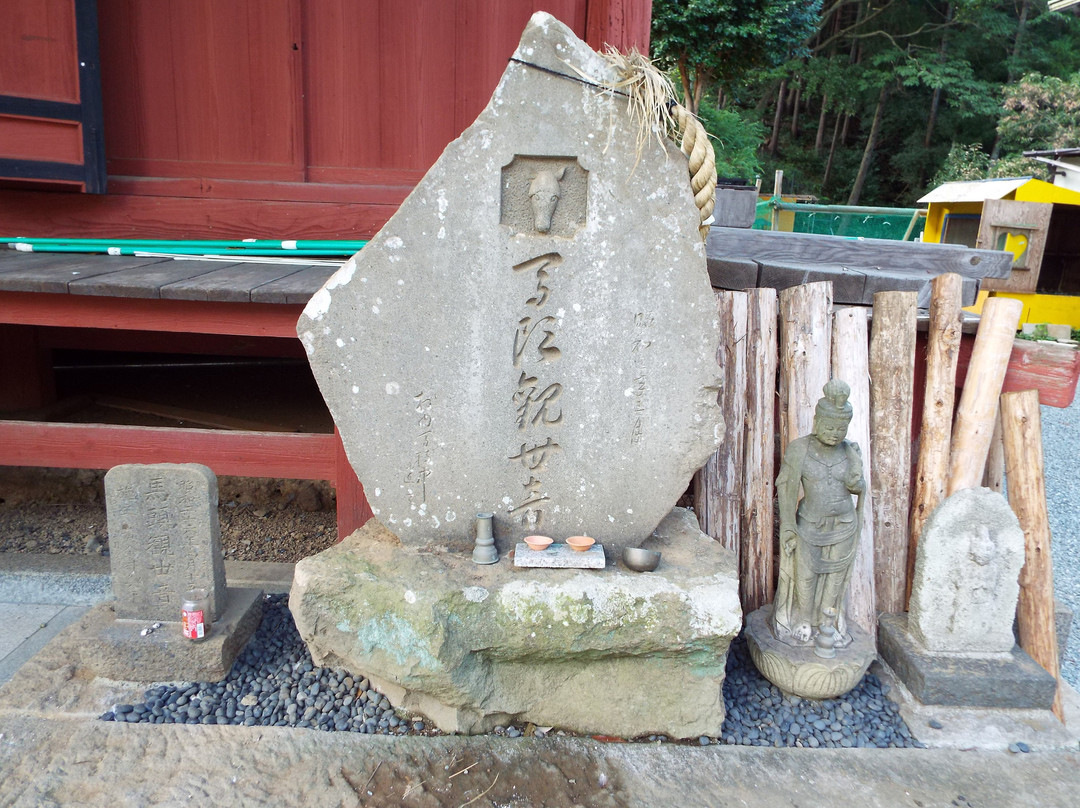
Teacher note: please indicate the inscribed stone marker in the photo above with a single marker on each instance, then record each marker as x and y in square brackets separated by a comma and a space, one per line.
[964, 593]
[164, 538]
[533, 332]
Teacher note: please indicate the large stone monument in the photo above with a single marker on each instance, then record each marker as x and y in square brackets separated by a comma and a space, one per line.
[956, 645]
[164, 541]
[532, 334]
[802, 642]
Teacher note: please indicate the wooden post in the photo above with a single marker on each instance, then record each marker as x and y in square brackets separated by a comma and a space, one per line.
[892, 379]
[778, 189]
[994, 475]
[757, 581]
[942, 349]
[718, 484]
[850, 363]
[805, 347]
[1022, 434]
[979, 401]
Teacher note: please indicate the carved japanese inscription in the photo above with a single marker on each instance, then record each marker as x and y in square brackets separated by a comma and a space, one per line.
[164, 538]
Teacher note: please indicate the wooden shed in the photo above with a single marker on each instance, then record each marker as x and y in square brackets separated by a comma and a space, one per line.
[1036, 221]
[241, 118]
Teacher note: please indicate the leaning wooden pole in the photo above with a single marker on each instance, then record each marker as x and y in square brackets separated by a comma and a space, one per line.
[759, 487]
[1022, 438]
[892, 382]
[974, 426]
[994, 475]
[942, 352]
[718, 484]
[805, 348]
[850, 362]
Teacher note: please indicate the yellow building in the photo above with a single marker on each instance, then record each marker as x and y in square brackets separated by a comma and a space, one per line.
[1036, 221]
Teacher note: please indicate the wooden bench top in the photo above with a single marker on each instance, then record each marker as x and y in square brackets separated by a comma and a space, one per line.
[161, 278]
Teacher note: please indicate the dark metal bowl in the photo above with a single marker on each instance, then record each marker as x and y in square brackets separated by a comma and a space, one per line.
[640, 560]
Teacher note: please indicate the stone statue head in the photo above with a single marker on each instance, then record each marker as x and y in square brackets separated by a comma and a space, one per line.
[833, 413]
[544, 196]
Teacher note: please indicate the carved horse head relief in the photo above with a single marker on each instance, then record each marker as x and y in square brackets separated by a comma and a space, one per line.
[544, 196]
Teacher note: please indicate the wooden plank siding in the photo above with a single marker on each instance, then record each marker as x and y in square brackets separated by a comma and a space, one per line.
[294, 118]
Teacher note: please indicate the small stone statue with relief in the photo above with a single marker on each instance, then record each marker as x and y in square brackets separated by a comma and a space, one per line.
[802, 642]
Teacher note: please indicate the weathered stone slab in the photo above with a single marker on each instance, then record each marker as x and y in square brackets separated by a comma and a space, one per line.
[560, 556]
[965, 589]
[1011, 680]
[164, 538]
[472, 647]
[533, 332]
[118, 649]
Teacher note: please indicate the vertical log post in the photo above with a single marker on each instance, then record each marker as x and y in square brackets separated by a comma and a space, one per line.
[979, 401]
[942, 351]
[892, 379]
[718, 484]
[850, 363]
[756, 555]
[805, 350]
[1022, 434]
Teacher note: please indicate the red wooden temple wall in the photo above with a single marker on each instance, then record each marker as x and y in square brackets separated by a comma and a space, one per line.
[264, 118]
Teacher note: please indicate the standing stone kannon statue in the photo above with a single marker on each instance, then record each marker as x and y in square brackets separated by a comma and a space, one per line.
[819, 534]
[803, 642]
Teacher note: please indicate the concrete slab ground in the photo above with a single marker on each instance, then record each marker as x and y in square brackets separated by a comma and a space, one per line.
[54, 751]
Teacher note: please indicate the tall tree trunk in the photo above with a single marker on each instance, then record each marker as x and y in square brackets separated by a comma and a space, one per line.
[832, 151]
[795, 112]
[844, 130]
[819, 140]
[868, 152]
[774, 140]
[935, 99]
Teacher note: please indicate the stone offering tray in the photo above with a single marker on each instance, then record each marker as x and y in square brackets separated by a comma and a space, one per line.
[560, 556]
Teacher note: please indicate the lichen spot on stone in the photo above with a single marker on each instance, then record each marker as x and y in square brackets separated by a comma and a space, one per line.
[410, 596]
[475, 594]
[318, 305]
[397, 638]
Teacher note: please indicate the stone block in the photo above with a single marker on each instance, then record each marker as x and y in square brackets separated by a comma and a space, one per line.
[964, 590]
[736, 206]
[164, 538]
[472, 647]
[1011, 680]
[533, 333]
[1059, 331]
[117, 649]
[560, 556]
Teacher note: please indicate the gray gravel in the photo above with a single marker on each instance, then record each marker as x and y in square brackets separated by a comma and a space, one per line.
[275, 683]
[1061, 445]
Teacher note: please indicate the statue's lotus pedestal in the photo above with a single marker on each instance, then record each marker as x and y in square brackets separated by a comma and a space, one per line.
[471, 647]
[797, 670]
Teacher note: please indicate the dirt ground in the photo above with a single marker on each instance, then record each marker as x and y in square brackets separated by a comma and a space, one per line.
[63, 511]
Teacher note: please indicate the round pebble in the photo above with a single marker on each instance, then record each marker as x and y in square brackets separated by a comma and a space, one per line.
[935, 724]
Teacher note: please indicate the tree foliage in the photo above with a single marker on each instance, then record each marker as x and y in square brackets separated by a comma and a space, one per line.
[957, 88]
[710, 42]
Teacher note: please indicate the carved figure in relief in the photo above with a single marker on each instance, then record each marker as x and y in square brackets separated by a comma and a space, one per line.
[544, 196]
[820, 532]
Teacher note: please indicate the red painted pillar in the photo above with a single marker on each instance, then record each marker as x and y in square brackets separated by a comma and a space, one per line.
[353, 509]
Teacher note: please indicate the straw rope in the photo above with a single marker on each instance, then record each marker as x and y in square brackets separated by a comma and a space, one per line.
[652, 102]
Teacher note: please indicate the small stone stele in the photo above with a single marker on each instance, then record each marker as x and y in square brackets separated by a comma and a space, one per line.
[164, 538]
[965, 587]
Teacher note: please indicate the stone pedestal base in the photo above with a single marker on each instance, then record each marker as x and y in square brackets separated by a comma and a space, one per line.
[606, 651]
[116, 649]
[798, 671]
[1015, 681]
